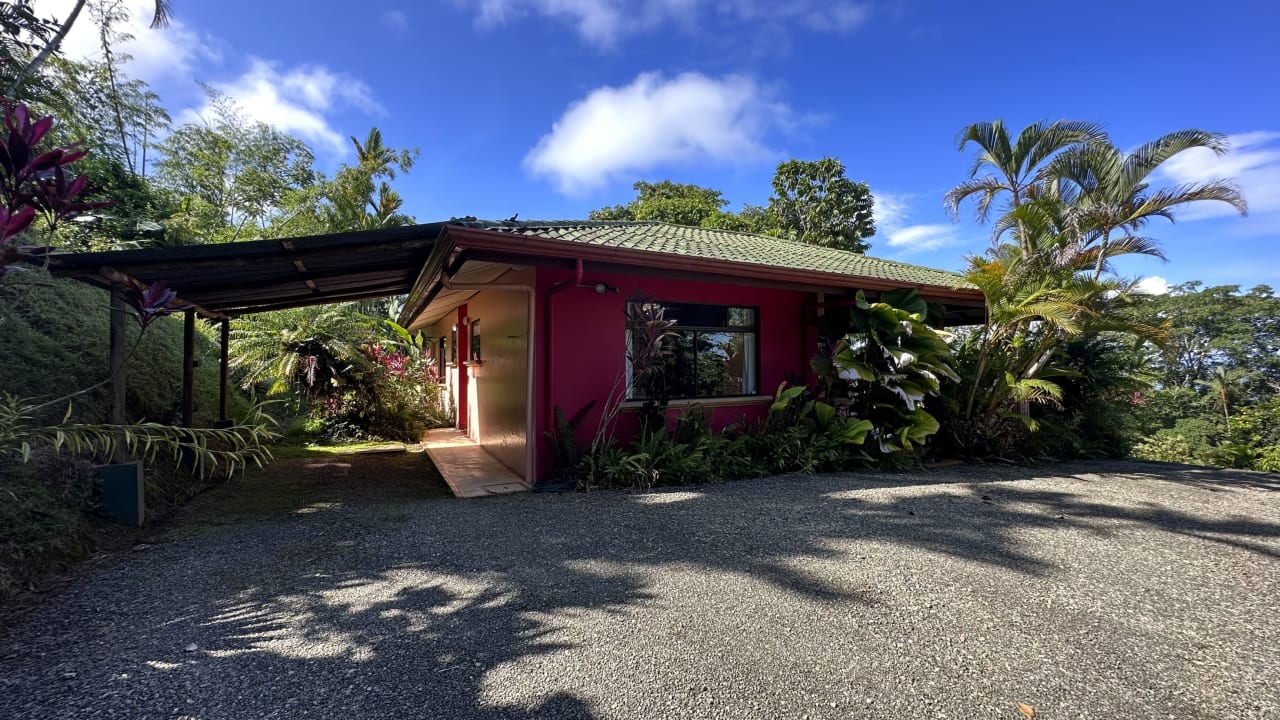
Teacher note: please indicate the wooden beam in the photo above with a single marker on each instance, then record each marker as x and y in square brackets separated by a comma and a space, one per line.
[312, 300]
[119, 338]
[209, 286]
[189, 368]
[223, 368]
[115, 276]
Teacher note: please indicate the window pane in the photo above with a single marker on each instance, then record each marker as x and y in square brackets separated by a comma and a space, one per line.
[701, 360]
[676, 373]
[680, 376]
[690, 315]
[724, 361]
[742, 317]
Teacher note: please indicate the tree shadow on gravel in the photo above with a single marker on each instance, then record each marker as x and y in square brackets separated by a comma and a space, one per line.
[438, 608]
[1208, 478]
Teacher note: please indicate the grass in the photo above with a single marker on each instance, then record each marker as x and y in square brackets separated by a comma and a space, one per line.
[292, 451]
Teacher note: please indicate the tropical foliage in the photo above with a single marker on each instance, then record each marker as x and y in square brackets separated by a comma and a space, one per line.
[1070, 202]
[347, 375]
[881, 361]
[1214, 391]
[812, 201]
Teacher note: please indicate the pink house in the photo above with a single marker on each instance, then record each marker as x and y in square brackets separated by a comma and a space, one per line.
[531, 316]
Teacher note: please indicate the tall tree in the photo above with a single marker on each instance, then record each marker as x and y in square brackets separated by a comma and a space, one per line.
[358, 197]
[666, 201]
[232, 173]
[22, 35]
[814, 202]
[1215, 327]
[53, 44]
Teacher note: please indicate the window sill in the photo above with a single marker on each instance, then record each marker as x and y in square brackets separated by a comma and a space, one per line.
[706, 402]
[473, 363]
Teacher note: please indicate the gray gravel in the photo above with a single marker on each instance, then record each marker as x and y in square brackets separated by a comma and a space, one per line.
[1084, 591]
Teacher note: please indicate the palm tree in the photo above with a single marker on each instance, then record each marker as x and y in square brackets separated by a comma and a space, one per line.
[1220, 384]
[1018, 167]
[1114, 191]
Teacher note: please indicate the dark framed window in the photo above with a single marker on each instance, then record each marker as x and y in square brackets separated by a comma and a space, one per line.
[453, 346]
[440, 357]
[474, 333]
[715, 352]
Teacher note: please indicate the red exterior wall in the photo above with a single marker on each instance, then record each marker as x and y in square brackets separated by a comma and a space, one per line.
[464, 347]
[580, 343]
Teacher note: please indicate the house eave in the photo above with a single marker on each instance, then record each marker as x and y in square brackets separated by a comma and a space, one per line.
[457, 243]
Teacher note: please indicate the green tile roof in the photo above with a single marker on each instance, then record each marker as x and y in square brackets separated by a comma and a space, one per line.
[725, 245]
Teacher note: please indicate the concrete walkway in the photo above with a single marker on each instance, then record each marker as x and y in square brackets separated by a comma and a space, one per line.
[467, 468]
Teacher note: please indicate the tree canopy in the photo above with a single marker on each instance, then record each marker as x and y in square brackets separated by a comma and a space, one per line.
[812, 202]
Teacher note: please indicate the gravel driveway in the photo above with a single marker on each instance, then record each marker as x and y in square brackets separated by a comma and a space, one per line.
[1083, 591]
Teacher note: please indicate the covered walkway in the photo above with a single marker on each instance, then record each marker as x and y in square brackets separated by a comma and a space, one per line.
[469, 471]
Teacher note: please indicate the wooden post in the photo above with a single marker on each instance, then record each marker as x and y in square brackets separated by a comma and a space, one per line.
[189, 369]
[119, 338]
[223, 368]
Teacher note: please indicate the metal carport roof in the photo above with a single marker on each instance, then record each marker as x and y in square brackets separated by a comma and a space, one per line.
[233, 279]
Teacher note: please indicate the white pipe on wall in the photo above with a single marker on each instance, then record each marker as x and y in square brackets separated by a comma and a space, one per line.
[531, 430]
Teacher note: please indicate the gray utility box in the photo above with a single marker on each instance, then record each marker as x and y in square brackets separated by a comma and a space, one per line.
[123, 492]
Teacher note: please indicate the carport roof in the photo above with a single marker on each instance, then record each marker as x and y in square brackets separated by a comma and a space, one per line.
[232, 279]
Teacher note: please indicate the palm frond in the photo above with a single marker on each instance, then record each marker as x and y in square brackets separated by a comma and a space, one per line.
[1040, 141]
[1150, 155]
[985, 188]
[1162, 201]
[161, 14]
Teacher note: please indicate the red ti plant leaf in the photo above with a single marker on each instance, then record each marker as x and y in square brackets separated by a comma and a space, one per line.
[151, 301]
[13, 225]
[34, 180]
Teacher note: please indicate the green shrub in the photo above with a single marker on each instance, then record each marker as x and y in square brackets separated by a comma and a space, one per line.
[881, 361]
[1268, 459]
[800, 435]
[688, 452]
[353, 377]
[1168, 447]
[1227, 454]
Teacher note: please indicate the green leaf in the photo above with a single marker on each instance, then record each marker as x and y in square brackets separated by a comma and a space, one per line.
[922, 426]
[850, 369]
[855, 431]
[901, 357]
[825, 414]
[907, 299]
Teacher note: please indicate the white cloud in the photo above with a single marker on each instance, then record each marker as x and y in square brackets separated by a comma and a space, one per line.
[296, 101]
[169, 52]
[921, 238]
[1154, 285]
[653, 122]
[604, 22]
[397, 20]
[892, 210]
[1253, 162]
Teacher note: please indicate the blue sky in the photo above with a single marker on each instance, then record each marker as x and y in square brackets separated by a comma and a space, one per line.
[551, 108]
